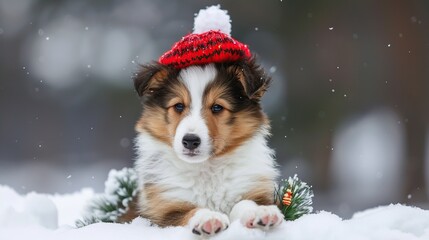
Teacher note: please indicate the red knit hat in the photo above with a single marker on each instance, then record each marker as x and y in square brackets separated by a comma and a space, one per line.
[209, 43]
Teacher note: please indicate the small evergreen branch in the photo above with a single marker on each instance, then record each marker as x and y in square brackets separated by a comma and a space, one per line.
[120, 189]
[294, 198]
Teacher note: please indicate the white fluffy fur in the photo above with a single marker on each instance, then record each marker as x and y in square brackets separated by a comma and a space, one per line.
[212, 18]
[216, 183]
[196, 79]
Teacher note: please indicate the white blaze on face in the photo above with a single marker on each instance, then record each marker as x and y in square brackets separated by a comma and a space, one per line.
[196, 79]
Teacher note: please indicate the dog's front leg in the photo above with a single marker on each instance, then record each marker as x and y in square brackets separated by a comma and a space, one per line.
[201, 221]
[253, 215]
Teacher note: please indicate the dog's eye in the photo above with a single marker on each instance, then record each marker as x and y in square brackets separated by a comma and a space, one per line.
[179, 107]
[217, 108]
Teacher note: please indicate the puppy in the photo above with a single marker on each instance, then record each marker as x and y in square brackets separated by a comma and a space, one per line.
[203, 159]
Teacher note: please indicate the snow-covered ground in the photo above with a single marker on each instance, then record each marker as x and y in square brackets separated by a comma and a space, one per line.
[41, 216]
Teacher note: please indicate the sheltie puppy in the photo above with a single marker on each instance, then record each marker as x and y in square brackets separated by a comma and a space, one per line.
[203, 159]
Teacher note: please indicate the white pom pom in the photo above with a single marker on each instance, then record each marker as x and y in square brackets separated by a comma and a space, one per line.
[212, 18]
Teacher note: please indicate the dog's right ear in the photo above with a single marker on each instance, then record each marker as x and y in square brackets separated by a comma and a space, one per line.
[151, 77]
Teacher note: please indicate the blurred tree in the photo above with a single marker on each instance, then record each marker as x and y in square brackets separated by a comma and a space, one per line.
[410, 86]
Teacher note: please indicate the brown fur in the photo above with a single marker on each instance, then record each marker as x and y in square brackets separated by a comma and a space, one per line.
[162, 122]
[227, 137]
[150, 78]
[165, 212]
[252, 78]
[262, 193]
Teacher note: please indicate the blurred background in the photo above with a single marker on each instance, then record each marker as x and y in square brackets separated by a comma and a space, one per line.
[349, 102]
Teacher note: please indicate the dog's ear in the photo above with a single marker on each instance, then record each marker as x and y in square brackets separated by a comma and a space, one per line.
[151, 77]
[252, 77]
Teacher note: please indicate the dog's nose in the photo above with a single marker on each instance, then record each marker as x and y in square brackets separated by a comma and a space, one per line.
[191, 141]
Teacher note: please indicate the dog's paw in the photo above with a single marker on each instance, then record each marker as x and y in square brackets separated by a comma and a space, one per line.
[263, 217]
[208, 223]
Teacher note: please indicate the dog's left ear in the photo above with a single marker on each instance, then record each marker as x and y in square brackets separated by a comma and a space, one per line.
[253, 78]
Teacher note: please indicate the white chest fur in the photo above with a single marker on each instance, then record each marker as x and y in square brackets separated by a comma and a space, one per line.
[216, 184]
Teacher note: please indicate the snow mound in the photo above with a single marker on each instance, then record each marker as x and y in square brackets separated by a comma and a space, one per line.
[43, 210]
[37, 216]
[33, 209]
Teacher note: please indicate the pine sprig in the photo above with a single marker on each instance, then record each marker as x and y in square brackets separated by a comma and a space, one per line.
[298, 201]
[120, 189]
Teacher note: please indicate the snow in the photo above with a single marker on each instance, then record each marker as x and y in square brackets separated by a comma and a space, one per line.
[36, 216]
[71, 206]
